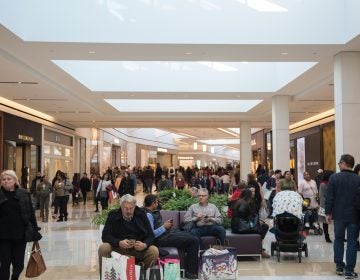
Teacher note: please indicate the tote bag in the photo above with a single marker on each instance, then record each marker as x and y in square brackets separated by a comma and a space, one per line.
[36, 265]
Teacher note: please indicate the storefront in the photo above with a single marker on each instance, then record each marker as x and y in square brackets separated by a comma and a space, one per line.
[150, 155]
[22, 147]
[313, 149]
[58, 153]
[257, 149]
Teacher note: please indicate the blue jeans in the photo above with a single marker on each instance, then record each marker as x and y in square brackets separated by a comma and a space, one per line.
[211, 230]
[352, 234]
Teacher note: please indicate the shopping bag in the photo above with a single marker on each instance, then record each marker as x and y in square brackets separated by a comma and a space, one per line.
[171, 269]
[36, 265]
[153, 273]
[118, 267]
[111, 269]
[217, 264]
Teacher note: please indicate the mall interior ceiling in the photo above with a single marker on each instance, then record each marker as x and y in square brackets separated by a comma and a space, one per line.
[34, 74]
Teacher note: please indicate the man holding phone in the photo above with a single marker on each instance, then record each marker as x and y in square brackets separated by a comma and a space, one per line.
[207, 218]
[128, 232]
[165, 236]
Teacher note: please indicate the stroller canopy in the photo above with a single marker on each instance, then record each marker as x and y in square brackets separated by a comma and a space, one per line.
[288, 201]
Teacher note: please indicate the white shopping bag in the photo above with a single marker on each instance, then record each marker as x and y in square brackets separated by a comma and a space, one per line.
[110, 269]
[119, 266]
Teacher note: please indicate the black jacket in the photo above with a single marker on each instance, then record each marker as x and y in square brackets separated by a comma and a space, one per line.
[27, 214]
[341, 195]
[114, 232]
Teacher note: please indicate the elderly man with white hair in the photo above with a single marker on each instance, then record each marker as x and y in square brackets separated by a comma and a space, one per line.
[128, 232]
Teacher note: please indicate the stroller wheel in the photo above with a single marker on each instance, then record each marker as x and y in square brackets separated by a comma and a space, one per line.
[299, 255]
[272, 249]
[306, 250]
[278, 254]
[320, 231]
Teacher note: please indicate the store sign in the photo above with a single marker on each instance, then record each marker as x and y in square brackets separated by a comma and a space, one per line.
[26, 138]
[162, 150]
[185, 158]
[312, 163]
[253, 142]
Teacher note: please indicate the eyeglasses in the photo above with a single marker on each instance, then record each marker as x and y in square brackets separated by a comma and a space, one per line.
[201, 195]
[340, 162]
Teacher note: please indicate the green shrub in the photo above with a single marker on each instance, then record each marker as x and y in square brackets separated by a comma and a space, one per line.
[100, 218]
[166, 195]
[180, 203]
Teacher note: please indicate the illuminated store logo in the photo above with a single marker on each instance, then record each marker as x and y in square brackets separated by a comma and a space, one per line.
[162, 150]
[185, 158]
[26, 138]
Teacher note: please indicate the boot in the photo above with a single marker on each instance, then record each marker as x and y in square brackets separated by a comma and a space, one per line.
[326, 233]
[66, 215]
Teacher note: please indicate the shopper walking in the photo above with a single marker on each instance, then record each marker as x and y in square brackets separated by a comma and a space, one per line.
[339, 206]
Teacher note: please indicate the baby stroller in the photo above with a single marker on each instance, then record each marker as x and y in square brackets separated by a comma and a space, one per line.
[288, 236]
[313, 223]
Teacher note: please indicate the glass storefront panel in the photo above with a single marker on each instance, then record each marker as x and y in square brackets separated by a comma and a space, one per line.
[58, 151]
[46, 149]
[47, 165]
[67, 152]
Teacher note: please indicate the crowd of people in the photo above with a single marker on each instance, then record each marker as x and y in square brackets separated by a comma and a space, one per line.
[139, 232]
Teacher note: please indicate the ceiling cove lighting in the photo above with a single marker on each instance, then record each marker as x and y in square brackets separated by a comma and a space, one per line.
[182, 105]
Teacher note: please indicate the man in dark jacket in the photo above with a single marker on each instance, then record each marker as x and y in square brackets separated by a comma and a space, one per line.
[339, 206]
[167, 237]
[128, 232]
[85, 186]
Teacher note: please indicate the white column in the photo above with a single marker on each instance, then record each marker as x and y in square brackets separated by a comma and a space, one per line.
[131, 153]
[280, 132]
[347, 104]
[245, 149]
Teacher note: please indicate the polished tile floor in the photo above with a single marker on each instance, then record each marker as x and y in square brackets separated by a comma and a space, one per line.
[70, 251]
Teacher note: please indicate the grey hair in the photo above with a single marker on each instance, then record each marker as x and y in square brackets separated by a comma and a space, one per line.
[203, 190]
[128, 198]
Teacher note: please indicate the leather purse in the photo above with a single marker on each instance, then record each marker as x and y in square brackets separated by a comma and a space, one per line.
[36, 265]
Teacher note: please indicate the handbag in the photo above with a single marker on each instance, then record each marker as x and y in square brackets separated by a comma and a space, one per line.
[251, 225]
[36, 265]
[103, 194]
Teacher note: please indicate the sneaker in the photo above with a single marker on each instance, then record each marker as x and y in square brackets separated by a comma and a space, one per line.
[307, 225]
[340, 271]
[351, 275]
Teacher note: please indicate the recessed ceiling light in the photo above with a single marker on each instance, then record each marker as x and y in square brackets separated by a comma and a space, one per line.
[92, 52]
[19, 82]
[284, 53]
[93, 121]
[188, 53]
[132, 95]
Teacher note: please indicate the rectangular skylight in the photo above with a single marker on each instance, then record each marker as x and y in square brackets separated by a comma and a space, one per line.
[183, 76]
[221, 141]
[182, 105]
[162, 22]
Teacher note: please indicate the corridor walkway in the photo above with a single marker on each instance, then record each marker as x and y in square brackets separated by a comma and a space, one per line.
[70, 251]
